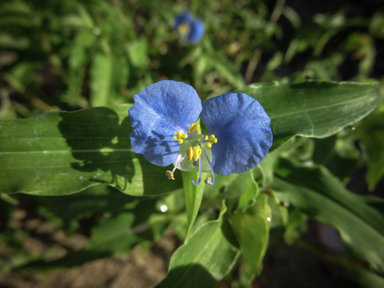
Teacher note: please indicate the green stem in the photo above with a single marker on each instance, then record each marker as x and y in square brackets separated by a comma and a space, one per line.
[193, 196]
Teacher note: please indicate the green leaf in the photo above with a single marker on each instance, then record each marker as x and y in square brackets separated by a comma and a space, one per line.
[338, 156]
[252, 230]
[366, 278]
[101, 74]
[317, 193]
[225, 68]
[314, 108]
[296, 226]
[66, 152]
[371, 135]
[120, 75]
[205, 259]
[137, 53]
[78, 58]
[279, 217]
[267, 166]
[8, 41]
[193, 196]
[247, 198]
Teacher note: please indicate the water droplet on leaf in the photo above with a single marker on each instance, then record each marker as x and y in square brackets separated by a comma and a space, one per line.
[349, 129]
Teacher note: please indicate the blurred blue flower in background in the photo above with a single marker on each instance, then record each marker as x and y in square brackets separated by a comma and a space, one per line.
[165, 131]
[189, 29]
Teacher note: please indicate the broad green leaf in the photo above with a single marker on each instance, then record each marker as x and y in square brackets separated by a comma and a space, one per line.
[296, 226]
[371, 135]
[314, 108]
[268, 164]
[205, 259]
[221, 182]
[66, 152]
[101, 74]
[251, 228]
[320, 195]
[247, 198]
[237, 186]
[115, 235]
[279, 217]
[339, 156]
[366, 278]
[193, 196]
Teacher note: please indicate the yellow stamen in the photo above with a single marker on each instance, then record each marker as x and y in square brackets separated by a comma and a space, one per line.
[169, 174]
[179, 137]
[193, 153]
[211, 140]
[183, 28]
[195, 127]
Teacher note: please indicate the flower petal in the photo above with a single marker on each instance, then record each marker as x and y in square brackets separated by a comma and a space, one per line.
[241, 127]
[196, 32]
[160, 110]
[182, 18]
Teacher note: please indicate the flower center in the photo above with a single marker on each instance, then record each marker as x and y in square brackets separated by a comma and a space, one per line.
[193, 153]
[197, 146]
[183, 28]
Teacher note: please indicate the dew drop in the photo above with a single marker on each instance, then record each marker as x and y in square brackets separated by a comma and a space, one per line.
[268, 219]
[163, 208]
[349, 129]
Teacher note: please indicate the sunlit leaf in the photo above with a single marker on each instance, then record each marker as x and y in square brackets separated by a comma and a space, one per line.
[65, 152]
[251, 228]
[205, 259]
[314, 108]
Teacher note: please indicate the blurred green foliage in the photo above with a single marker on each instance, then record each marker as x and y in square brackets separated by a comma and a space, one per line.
[68, 55]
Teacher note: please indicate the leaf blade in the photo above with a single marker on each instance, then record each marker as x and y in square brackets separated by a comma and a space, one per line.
[66, 152]
[209, 253]
[314, 108]
[320, 195]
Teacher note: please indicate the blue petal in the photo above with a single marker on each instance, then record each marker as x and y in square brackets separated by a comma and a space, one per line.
[197, 31]
[182, 18]
[241, 127]
[160, 110]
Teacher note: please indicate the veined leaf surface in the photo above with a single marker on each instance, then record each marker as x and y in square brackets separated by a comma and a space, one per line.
[65, 152]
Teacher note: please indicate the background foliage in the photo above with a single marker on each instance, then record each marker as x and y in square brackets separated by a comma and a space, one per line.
[70, 55]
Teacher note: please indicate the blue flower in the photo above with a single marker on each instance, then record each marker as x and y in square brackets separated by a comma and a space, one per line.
[165, 131]
[189, 29]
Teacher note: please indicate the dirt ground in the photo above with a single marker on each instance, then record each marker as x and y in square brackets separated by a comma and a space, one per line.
[138, 269]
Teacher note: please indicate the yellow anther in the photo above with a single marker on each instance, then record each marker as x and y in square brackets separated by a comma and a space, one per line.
[211, 140]
[195, 127]
[193, 153]
[183, 28]
[169, 174]
[179, 137]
